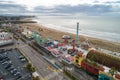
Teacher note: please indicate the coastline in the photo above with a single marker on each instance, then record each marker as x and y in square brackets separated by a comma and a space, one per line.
[55, 34]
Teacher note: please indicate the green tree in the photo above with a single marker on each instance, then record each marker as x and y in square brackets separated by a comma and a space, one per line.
[112, 71]
[30, 67]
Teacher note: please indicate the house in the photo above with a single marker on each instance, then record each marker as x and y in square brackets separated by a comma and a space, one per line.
[5, 38]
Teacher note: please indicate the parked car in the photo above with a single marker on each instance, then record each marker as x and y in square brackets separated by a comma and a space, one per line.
[13, 71]
[23, 60]
[17, 73]
[21, 57]
[11, 68]
[8, 66]
[19, 76]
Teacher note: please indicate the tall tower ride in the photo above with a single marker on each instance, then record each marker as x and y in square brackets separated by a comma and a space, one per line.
[77, 32]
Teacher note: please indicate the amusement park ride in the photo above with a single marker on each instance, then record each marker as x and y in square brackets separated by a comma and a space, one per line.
[74, 43]
[88, 60]
[37, 38]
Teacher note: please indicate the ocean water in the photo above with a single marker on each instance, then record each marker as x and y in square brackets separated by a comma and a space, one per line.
[94, 26]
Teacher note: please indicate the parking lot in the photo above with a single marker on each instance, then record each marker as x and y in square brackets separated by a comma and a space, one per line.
[12, 66]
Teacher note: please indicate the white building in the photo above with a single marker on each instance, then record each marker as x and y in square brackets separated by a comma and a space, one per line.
[5, 38]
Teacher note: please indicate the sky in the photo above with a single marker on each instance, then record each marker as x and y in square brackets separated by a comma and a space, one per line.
[61, 7]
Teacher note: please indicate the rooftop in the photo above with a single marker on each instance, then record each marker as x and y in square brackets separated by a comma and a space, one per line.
[68, 59]
[104, 59]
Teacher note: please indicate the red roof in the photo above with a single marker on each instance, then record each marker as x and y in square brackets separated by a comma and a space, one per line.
[61, 44]
[49, 48]
[55, 51]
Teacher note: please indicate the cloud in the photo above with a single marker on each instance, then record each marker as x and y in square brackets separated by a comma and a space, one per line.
[109, 2]
[98, 9]
[31, 4]
[86, 7]
[11, 8]
[5, 2]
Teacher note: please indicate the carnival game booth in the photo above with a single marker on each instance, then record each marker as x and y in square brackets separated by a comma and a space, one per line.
[67, 59]
[49, 43]
[56, 53]
[52, 43]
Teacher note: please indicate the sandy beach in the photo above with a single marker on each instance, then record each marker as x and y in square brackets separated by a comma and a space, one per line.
[55, 34]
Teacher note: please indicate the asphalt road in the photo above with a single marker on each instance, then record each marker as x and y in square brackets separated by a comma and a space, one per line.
[43, 68]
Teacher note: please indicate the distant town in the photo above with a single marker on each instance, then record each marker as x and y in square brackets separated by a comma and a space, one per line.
[27, 55]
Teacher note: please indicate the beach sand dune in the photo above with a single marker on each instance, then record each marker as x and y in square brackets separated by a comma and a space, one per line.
[55, 34]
